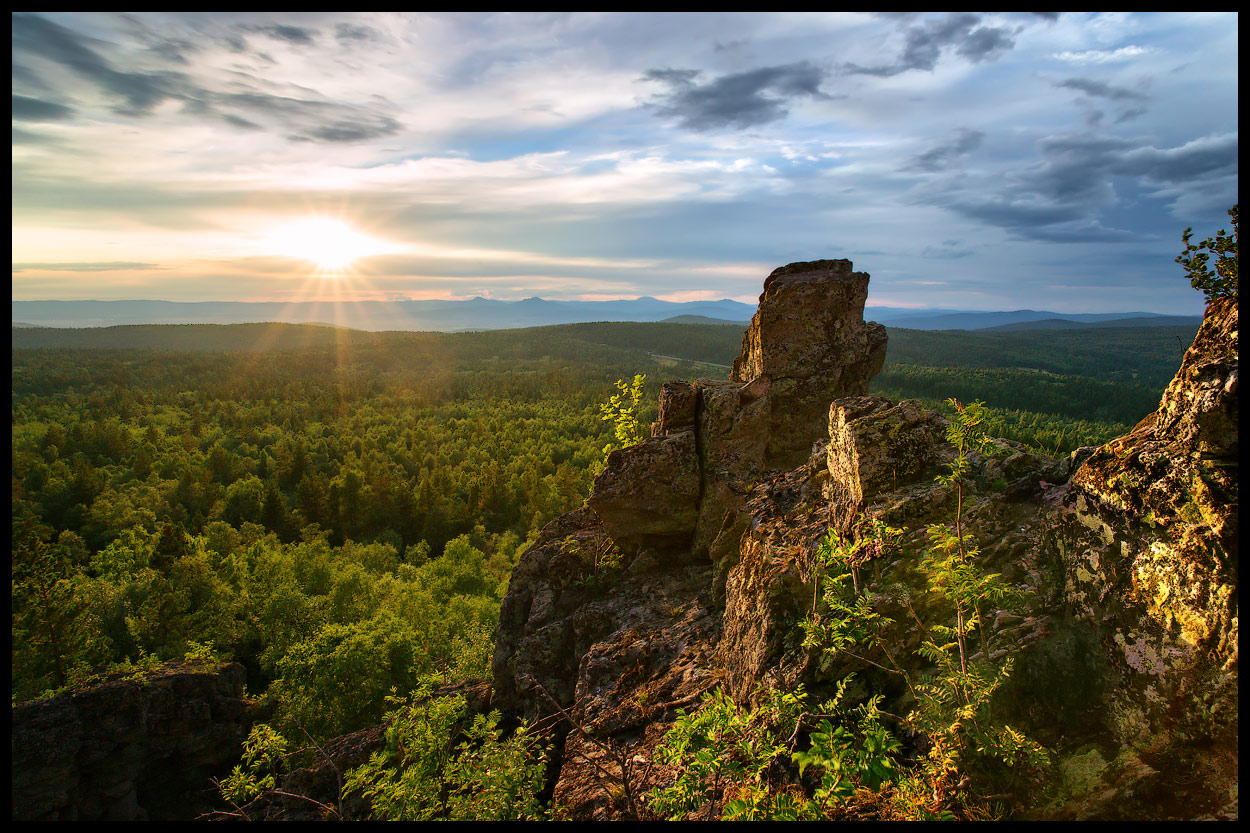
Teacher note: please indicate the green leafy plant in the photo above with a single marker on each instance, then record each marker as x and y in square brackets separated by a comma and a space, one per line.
[714, 747]
[1222, 281]
[955, 702]
[263, 753]
[423, 775]
[859, 753]
[622, 411]
[844, 617]
[739, 758]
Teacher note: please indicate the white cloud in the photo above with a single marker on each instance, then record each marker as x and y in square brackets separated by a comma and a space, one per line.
[1102, 56]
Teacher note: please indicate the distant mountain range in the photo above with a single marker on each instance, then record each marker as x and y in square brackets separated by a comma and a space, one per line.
[488, 314]
[1021, 319]
[444, 316]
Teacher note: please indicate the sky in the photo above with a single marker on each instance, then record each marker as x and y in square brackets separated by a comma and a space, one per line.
[966, 161]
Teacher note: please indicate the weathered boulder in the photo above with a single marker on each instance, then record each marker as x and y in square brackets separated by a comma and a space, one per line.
[807, 344]
[648, 494]
[621, 655]
[129, 749]
[678, 408]
[1178, 467]
[733, 433]
[877, 446]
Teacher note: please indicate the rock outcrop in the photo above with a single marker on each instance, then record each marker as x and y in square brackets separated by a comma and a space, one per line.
[807, 345]
[1125, 649]
[130, 749]
[1147, 534]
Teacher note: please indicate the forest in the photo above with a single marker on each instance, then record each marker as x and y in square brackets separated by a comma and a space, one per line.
[340, 511]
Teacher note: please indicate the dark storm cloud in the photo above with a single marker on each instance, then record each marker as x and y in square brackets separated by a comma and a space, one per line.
[940, 157]
[137, 94]
[34, 109]
[924, 42]
[1101, 89]
[740, 100]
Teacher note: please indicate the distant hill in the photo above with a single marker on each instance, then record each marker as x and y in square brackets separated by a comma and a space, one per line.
[1140, 355]
[703, 319]
[194, 337]
[1065, 324]
[1053, 320]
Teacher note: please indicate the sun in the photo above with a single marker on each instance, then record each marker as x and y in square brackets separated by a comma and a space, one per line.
[332, 245]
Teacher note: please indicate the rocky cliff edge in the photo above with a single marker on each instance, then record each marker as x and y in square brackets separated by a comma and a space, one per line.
[693, 561]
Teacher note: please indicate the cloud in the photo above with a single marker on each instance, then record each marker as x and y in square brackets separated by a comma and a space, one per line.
[28, 137]
[1101, 89]
[1101, 56]
[1059, 197]
[291, 34]
[138, 94]
[104, 266]
[740, 100]
[1190, 162]
[949, 250]
[924, 43]
[942, 156]
[34, 109]
[35, 37]
[348, 31]
[307, 120]
[1130, 113]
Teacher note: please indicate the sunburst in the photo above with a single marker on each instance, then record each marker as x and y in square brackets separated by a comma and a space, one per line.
[332, 245]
